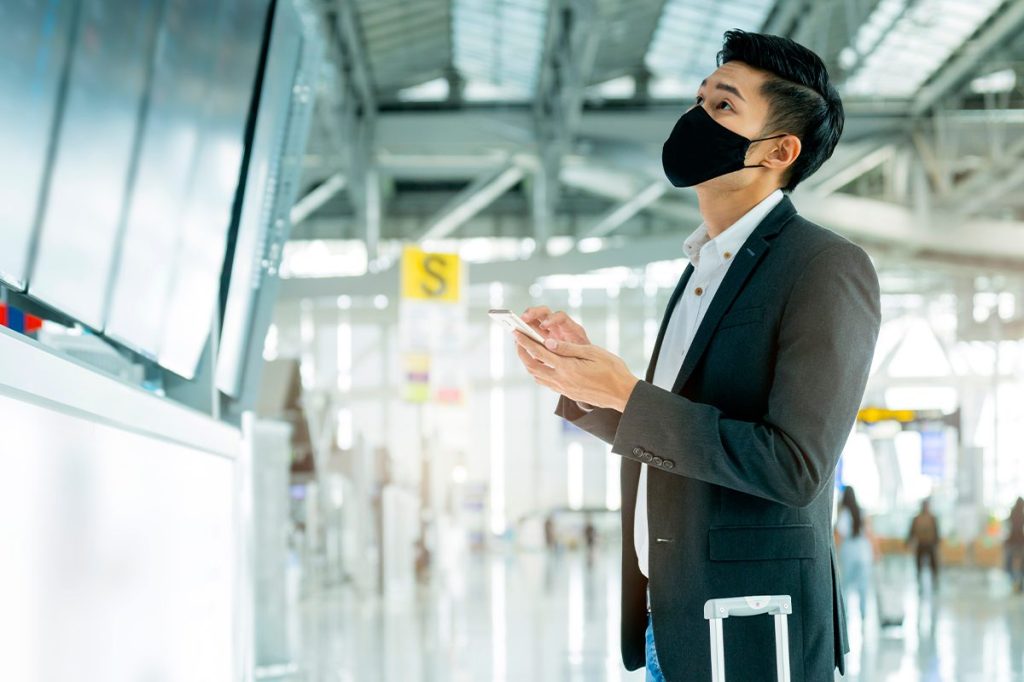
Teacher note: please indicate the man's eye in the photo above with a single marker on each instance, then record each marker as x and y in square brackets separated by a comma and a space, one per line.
[723, 105]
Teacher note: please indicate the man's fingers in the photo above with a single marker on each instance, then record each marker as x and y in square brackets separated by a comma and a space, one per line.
[567, 349]
[538, 350]
[554, 318]
[541, 373]
[535, 313]
[533, 365]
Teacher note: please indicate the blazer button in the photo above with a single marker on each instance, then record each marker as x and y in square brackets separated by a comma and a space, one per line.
[647, 457]
[638, 451]
[658, 461]
[669, 464]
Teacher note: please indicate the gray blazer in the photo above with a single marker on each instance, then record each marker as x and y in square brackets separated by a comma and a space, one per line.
[742, 454]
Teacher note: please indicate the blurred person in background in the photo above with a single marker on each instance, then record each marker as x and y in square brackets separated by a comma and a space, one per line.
[589, 534]
[1015, 545]
[550, 541]
[924, 537]
[856, 548]
[730, 443]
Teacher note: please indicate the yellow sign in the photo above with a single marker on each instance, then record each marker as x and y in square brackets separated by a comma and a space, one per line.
[431, 276]
[872, 415]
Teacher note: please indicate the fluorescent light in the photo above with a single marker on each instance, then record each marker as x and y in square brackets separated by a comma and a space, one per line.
[432, 91]
[622, 87]
[1004, 80]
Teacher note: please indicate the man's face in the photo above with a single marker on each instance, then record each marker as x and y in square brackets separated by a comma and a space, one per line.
[732, 96]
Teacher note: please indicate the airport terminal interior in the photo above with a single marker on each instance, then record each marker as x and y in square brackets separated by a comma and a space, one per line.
[257, 423]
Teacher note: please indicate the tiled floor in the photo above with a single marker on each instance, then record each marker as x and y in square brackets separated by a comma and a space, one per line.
[538, 617]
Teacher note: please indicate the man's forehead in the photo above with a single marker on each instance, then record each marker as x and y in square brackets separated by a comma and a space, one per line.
[744, 78]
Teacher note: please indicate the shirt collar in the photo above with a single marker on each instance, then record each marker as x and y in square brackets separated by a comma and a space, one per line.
[725, 245]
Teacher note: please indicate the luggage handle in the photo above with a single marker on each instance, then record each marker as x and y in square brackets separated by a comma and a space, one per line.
[748, 606]
[779, 606]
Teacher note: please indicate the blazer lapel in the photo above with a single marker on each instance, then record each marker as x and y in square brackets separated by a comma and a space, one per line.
[680, 286]
[747, 260]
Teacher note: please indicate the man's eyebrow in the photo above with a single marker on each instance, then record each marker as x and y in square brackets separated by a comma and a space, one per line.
[730, 88]
[725, 86]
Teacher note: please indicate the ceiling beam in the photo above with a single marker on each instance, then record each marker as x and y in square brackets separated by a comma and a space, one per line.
[882, 228]
[317, 197]
[872, 221]
[1007, 24]
[630, 253]
[783, 17]
[570, 45]
[479, 195]
[622, 186]
[618, 216]
[865, 163]
[985, 187]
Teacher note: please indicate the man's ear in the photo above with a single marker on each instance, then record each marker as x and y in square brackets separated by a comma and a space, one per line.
[784, 153]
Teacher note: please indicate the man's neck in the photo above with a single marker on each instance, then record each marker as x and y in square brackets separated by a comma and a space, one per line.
[721, 209]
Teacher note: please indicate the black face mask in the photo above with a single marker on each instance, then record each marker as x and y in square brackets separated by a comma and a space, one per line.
[700, 148]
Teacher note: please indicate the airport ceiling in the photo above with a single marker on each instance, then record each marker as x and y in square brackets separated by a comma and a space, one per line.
[543, 119]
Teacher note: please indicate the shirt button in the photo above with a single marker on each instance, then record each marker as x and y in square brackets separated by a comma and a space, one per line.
[728, 255]
[698, 291]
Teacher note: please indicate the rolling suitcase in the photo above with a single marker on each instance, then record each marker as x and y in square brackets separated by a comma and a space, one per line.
[716, 610]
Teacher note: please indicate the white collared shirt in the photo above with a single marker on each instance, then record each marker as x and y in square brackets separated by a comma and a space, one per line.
[711, 259]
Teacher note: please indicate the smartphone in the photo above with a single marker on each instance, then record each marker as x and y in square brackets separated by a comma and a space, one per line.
[513, 321]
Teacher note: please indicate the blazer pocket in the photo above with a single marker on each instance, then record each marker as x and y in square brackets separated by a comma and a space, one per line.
[759, 543]
[741, 317]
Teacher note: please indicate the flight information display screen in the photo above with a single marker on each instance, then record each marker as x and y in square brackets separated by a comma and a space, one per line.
[34, 36]
[187, 174]
[206, 218]
[93, 161]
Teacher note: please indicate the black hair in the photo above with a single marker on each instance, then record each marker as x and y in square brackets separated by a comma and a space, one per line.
[850, 502]
[801, 96]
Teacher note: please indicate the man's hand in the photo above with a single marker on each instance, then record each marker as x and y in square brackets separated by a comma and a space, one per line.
[581, 372]
[556, 325]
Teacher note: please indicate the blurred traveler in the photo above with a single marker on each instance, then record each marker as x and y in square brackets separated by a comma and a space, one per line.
[549, 533]
[924, 538]
[590, 534]
[730, 443]
[856, 551]
[1015, 545]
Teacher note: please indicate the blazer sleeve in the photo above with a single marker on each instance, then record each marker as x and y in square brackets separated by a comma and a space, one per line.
[599, 421]
[826, 341]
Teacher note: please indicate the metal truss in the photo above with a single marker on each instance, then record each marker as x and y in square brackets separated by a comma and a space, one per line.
[565, 68]
[349, 111]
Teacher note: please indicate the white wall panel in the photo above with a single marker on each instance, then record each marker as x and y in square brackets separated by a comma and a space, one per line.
[119, 543]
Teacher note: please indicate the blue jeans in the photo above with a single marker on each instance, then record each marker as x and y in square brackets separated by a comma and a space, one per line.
[653, 668]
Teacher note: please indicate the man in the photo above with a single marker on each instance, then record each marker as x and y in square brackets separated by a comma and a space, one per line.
[925, 538]
[731, 442]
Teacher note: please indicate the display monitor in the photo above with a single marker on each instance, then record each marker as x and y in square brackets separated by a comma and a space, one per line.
[190, 152]
[92, 166]
[195, 287]
[34, 36]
